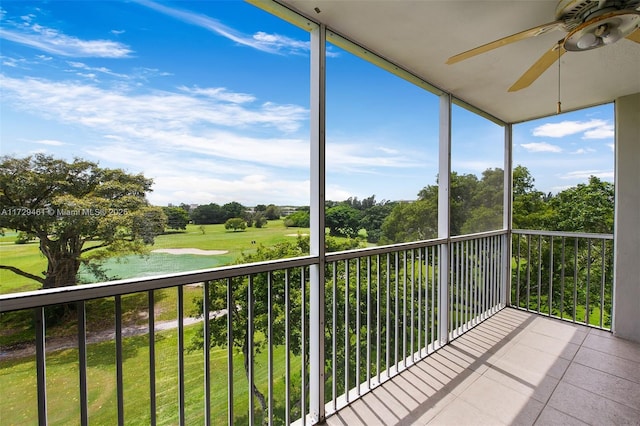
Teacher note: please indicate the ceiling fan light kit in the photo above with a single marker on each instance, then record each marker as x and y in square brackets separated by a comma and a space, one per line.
[602, 30]
[589, 24]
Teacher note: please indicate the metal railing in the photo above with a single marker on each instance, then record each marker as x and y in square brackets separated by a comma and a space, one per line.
[567, 275]
[385, 309]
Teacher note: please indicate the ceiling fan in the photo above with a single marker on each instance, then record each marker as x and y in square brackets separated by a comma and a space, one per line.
[589, 24]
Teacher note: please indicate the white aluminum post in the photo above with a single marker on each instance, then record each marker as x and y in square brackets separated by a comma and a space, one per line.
[317, 239]
[507, 215]
[444, 211]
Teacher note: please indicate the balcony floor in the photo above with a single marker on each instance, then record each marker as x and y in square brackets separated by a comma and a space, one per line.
[514, 368]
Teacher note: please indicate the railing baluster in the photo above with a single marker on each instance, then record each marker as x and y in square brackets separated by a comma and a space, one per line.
[249, 361]
[426, 300]
[586, 302]
[152, 357]
[519, 237]
[303, 349]
[528, 272]
[207, 358]
[562, 280]
[230, 313]
[434, 259]
[82, 362]
[469, 280]
[181, 401]
[378, 319]
[539, 280]
[396, 329]
[357, 376]
[270, 348]
[476, 282]
[575, 279]
[483, 279]
[347, 337]
[368, 369]
[602, 283]
[287, 349]
[41, 369]
[334, 345]
[551, 272]
[387, 351]
[404, 309]
[412, 301]
[119, 360]
[419, 305]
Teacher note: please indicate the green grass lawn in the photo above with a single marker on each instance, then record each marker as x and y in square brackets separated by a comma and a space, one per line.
[215, 237]
[17, 381]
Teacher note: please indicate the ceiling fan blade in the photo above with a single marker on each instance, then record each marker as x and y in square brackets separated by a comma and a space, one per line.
[532, 32]
[538, 68]
[634, 36]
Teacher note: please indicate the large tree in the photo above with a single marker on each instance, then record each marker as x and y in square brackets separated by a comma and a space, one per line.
[177, 217]
[343, 220]
[74, 208]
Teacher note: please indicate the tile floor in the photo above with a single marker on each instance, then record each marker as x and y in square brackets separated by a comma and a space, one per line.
[515, 368]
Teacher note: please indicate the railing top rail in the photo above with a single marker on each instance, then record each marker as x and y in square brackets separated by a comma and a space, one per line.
[478, 235]
[46, 297]
[563, 234]
[371, 251]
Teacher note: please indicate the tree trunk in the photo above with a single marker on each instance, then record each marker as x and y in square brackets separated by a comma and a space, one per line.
[63, 262]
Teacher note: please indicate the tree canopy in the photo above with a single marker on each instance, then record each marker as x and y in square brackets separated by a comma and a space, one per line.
[74, 208]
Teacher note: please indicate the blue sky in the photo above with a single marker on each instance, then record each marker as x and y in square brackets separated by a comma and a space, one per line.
[211, 100]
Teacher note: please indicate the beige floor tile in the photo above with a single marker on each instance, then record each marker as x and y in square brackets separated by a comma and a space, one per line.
[618, 347]
[482, 360]
[461, 413]
[611, 364]
[559, 329]
[592, 408]
[602, 333]
[539, 389]
[500, 401]
[551, 345]
[532, 363]
[552, 417]
[604, 384]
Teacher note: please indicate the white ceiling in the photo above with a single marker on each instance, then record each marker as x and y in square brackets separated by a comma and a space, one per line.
[421, 35]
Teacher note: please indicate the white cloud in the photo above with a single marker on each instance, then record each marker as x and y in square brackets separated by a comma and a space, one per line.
[54, 42]
[345, 157]
[12, 62]
[612, 147]
[103, 70]
[142, 115]
[386, 150]
[219, 93]
[585, 174]
[581, 151]
[280, 43]
[50, 142]
[541, 147]
[271, 43]
[472, 166]
[602, 132]
[566, 128]
[205, 179]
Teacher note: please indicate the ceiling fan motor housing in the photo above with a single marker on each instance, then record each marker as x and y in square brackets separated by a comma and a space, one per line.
[596, 23]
